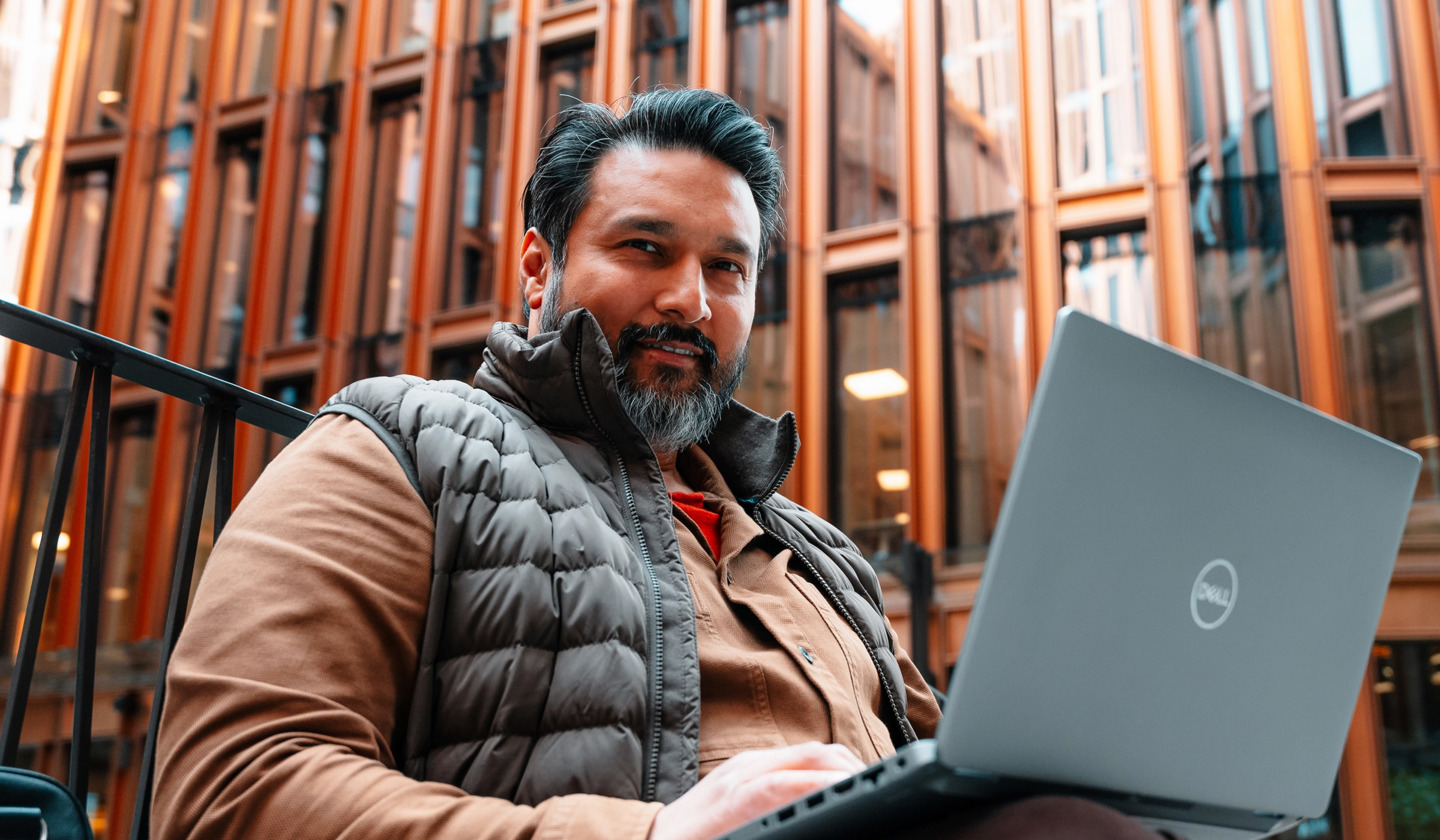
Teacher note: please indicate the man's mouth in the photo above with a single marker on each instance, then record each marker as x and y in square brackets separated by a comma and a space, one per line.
[671, 347]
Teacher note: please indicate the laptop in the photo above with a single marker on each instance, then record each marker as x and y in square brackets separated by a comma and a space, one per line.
[1176, 614]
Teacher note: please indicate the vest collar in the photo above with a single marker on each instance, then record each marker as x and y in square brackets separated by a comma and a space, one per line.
[565, 381]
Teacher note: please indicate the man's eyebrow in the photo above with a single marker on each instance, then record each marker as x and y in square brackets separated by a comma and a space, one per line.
[660, 227]
[735, 247]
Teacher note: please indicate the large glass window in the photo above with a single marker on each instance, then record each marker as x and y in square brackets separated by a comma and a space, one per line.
[1354, 78]
[759, 81]
[864, 113]
[256, 55]
[479, 163]
[869, 476]
[1407, 685]
[567, 77]
[305, 251]
[397, 132]
[190, 60]
[169, 199]
[409, 25]
[329, 24]
[984, 314]
[1099, 123]
[1110, 276]
[1237, 219]
[84, 225]
[1385, 332]
[104, 101]
[130, 473]
[234, 236]
[662, 43]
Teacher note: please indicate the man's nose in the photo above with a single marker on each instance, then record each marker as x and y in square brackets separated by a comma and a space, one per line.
[683, 295]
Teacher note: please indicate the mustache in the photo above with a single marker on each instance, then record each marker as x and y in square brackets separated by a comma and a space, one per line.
[631, 336]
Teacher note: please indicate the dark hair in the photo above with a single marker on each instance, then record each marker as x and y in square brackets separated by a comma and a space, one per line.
[699, 120]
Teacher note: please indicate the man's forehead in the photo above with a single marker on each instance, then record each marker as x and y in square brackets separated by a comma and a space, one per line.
[638, 186]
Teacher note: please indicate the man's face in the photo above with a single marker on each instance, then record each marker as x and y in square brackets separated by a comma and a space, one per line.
[664, 257]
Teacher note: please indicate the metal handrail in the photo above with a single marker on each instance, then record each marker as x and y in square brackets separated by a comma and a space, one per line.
[98, 358]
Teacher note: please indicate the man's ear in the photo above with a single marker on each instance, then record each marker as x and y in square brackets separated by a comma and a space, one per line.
[534, 274]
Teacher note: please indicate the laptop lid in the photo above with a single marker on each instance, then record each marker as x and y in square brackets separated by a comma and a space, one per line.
[1184, 584]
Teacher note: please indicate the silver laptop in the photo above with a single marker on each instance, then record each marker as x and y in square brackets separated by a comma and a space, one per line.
[1177, 610]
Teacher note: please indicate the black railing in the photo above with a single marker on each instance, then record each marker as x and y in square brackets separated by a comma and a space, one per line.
[98, 359]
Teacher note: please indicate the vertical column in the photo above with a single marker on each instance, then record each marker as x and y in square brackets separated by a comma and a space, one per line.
[1039, 238]
[1170, 202]
[708, 43]
[921, 292]
[810, 45]
[1306, 229]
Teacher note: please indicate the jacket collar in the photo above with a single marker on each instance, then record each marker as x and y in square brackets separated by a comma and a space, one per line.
[565, 381]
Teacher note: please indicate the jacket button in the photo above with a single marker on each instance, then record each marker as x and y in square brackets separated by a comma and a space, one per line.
[805, 653]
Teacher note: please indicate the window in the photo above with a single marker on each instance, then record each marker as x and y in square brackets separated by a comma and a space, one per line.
[326, 61]
[189, 61]
[1386, 340]
[459, 363]
[397, 132]
[864, 112]
[478, 213]
[1109, 276]
[233, 240]
[104, 101]
[130, 468]
[305, 250]
[869, 477]
[1359, 111]
[297, 391]
[567, 77]
[984, 300]
[759, 81]
[1100, 127]
[256, 55]
[1407, 685]
[662, 38]
[409, 25]
[169, 198]
[83, 229]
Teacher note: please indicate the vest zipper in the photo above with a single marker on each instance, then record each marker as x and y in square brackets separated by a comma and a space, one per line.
[902, 723]
[657, 638]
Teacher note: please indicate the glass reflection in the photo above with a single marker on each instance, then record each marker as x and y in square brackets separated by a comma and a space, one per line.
[1099, 123]
[864, 38]
[409, 26]
[869, 479]
[1110, 277]
[1359, 110]
[566, 78]
[1388, 348]
[390, 237]
[662, 43]
[327, 53]
[255, 58]
[1407, 685]
[230, 263]
[759, 81]
[84, 227]
[130, 475]
[104, 103]
[169, 200]
[187, 84]
[305, 254]
[480, 162]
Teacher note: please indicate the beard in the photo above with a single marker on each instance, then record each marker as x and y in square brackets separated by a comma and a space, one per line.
[671, 414]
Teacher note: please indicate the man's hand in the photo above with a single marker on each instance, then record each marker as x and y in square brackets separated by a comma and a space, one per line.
[752, 784]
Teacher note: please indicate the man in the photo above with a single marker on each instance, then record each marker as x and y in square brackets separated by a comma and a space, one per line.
[567, 601]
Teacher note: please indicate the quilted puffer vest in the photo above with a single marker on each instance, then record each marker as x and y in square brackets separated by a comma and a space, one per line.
[558, 654]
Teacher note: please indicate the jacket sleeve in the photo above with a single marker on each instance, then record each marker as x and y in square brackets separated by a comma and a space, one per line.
[921, 707]
[299, 657]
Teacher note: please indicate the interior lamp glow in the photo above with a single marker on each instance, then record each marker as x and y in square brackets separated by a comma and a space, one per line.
[61, 544]
[876, 384]
[108, 97]
[893, 480]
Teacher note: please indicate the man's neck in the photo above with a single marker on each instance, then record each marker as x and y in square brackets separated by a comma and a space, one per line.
[674, 482]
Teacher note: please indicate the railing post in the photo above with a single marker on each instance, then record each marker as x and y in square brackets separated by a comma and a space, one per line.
[216, 410]
[93, 568]
[44, 566]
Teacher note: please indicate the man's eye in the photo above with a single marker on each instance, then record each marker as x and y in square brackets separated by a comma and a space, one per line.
[644, 245]
[730, 265]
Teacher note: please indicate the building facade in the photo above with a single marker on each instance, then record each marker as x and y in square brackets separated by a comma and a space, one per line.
[293, 194]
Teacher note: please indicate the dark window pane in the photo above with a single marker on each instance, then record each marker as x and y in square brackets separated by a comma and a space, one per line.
[864, 38]
[1407, 685]
[1365, 137]
[105, 96]
[84, 225]
[234, 235]
[1354, 78]
[869, 478]
[298, 391]
[397, 132]
[662, 39]
[190, 60]
[1387, 341]
[458, 363]
[567, 77]
[130, 474]
[479, 161]
[1100, 128]
[305, 254]
[758, 79]
[169, 200]
[1110, 277]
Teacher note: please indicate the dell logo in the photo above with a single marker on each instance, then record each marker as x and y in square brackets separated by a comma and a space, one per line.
[1213, 595]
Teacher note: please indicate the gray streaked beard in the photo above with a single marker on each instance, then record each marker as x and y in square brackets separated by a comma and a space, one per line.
[671, 421]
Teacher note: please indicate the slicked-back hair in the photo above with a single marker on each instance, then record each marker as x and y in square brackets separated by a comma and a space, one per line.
[665, 119]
